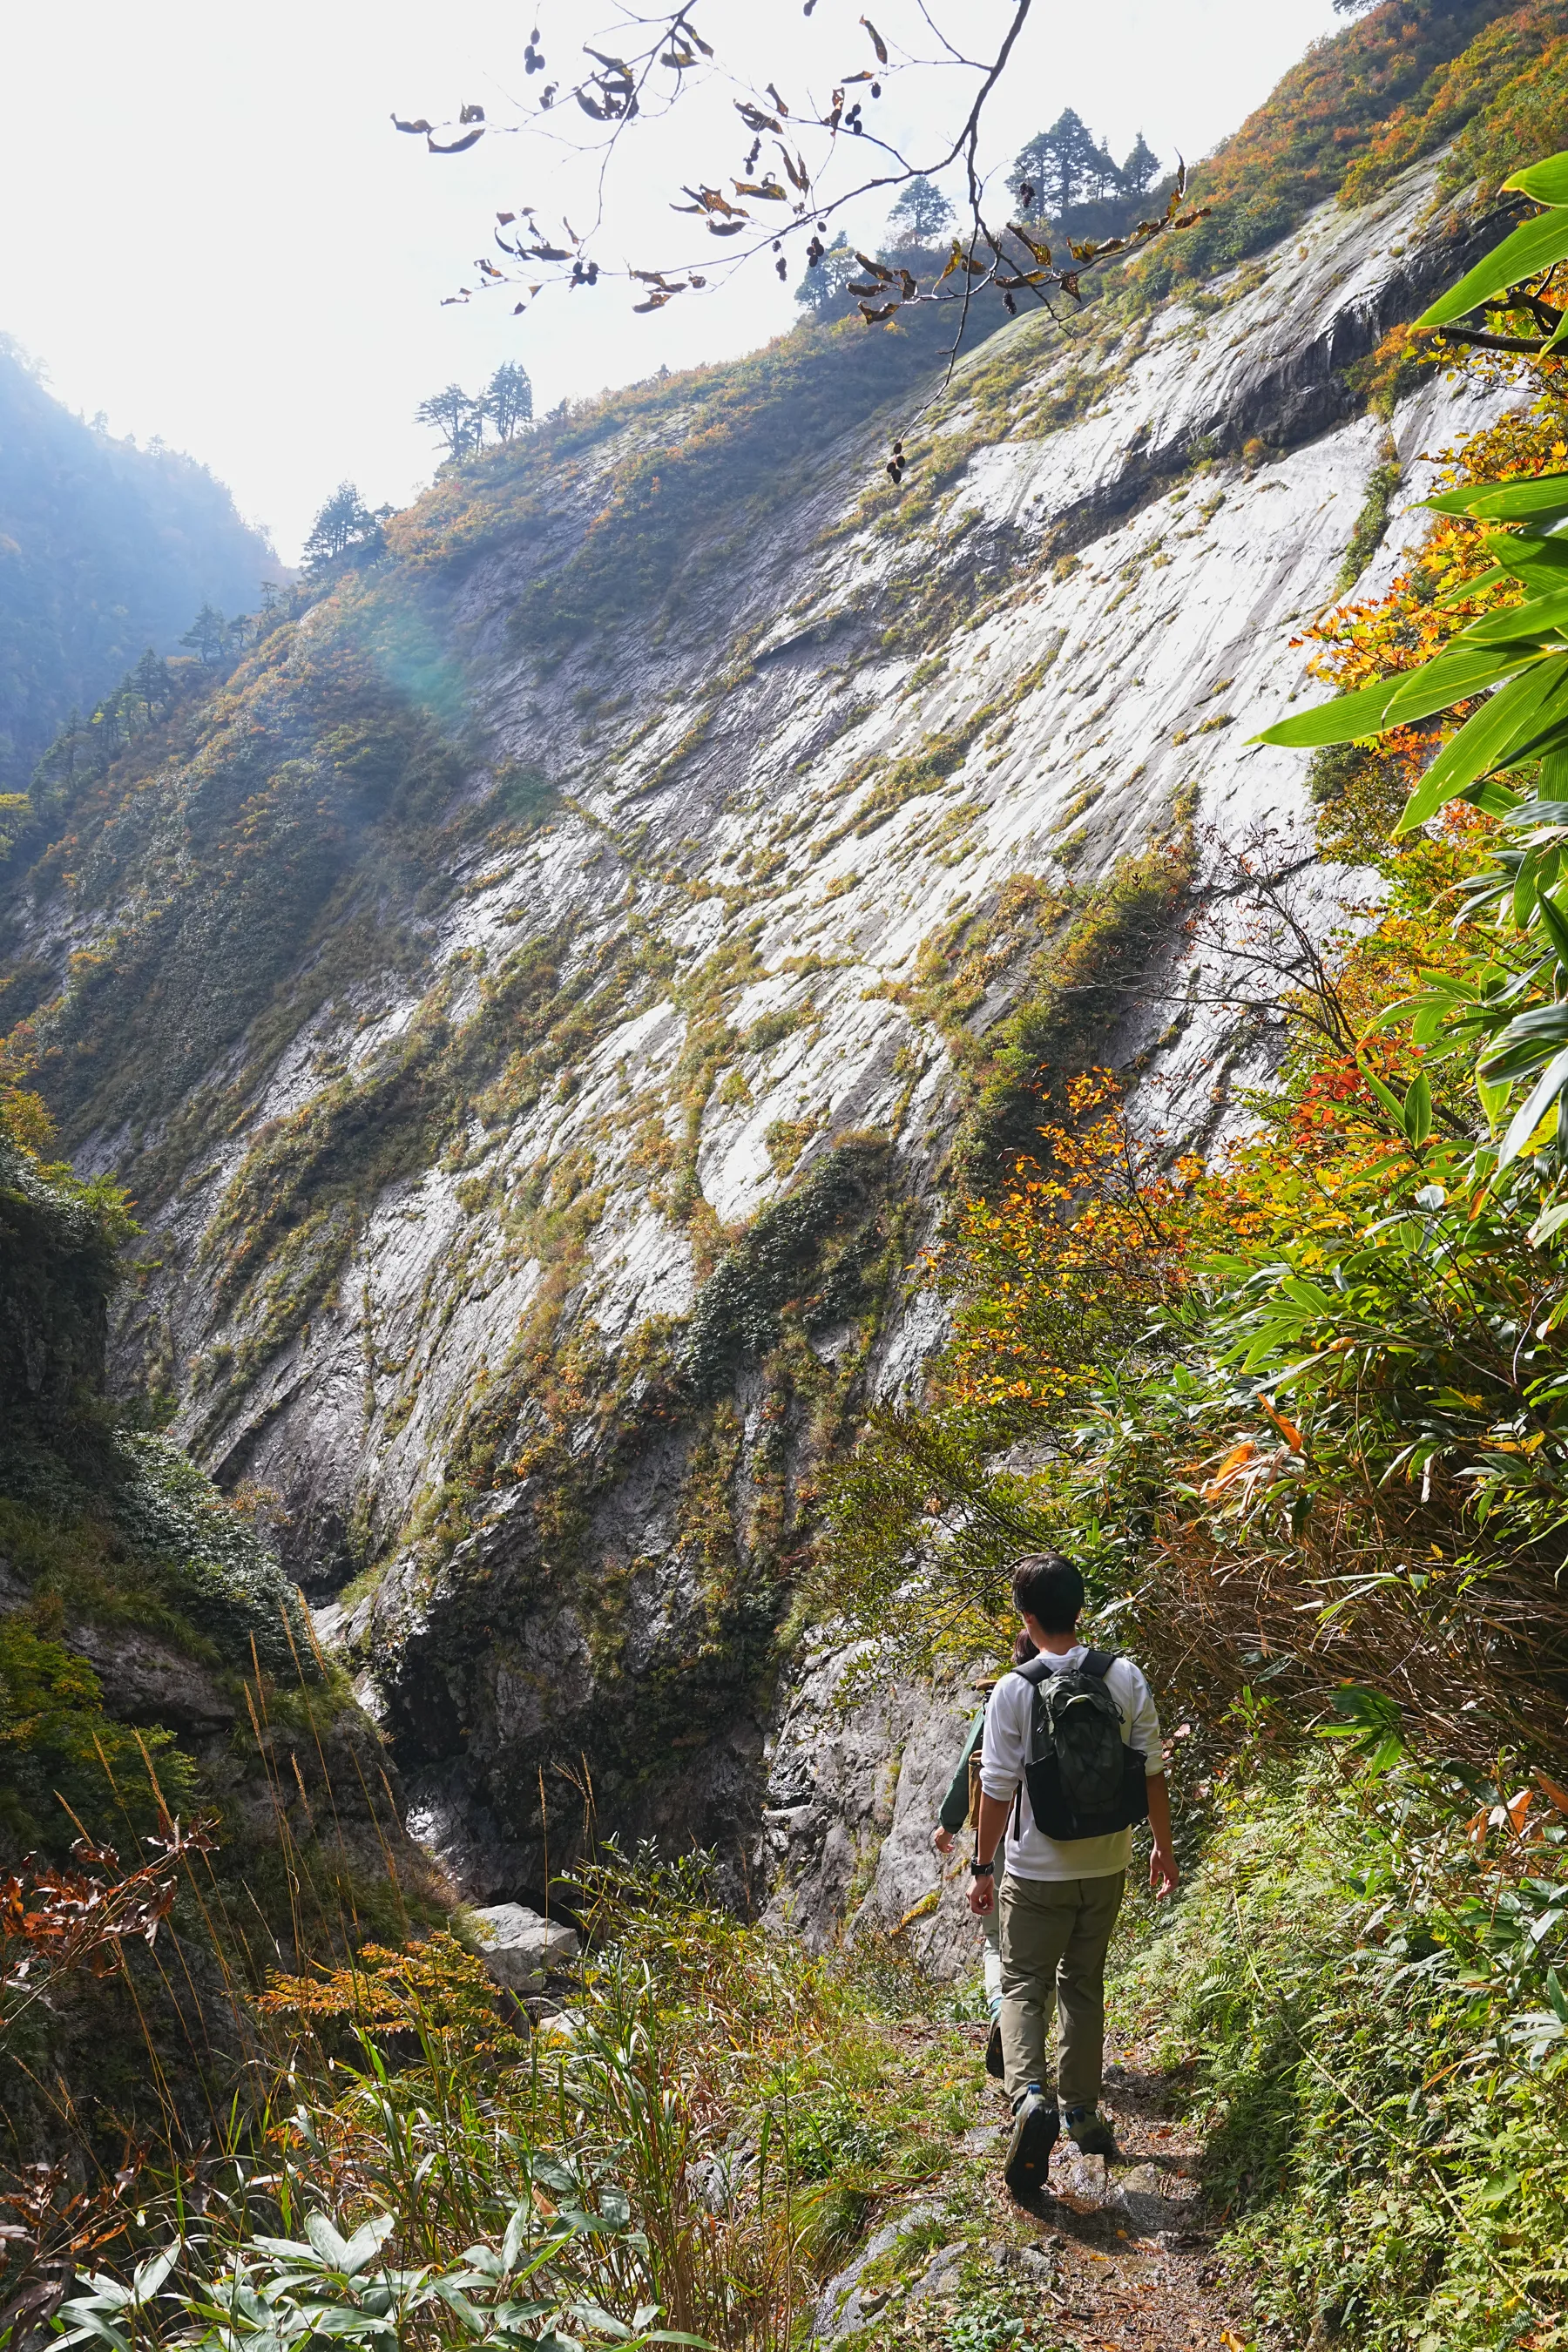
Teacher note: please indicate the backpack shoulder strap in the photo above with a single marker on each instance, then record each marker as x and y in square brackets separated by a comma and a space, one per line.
[1033, 1671]
[1096, 1663]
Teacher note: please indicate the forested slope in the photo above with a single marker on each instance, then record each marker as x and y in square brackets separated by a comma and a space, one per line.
[105, 549]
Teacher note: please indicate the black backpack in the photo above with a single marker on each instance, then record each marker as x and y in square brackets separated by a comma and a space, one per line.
[1083, 1780]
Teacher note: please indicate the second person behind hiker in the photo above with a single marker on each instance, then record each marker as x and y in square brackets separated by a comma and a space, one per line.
[961, 1810]
[1076, 1730]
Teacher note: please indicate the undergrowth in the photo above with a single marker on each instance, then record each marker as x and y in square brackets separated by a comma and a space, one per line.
[692, 2142]
[1361, 1991]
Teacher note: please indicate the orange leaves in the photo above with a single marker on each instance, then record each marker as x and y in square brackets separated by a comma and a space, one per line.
[1228, 1468]
[1247, 1471]
[1287, 1429]
[1427, 604]
[1089, 1235]
[434, 1985]
[1510, 1817]
[52, 1921]
[1513, 1816]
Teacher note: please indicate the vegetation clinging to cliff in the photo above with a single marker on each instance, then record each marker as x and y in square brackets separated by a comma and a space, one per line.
[712, 452]
[1359, 107]
[154, 1660]
[1300, 1415]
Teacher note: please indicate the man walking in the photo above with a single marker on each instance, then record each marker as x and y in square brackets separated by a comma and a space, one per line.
[1051, 1760]
[961, 1806]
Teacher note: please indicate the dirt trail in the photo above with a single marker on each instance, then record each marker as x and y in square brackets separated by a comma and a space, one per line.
[1131, 2245]
[1116, 2258]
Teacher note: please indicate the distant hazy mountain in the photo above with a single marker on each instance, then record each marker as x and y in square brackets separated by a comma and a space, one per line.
[105, 549]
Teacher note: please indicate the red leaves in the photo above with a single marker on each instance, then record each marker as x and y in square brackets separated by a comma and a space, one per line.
[66, 1919]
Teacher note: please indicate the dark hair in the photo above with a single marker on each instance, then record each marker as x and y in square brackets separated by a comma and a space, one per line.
[1048, 1589]
[1023, 1650]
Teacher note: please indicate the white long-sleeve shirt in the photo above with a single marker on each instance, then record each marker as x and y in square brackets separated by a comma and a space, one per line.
[1006, 1749]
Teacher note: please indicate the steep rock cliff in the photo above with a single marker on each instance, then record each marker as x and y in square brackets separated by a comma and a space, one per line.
[538, 1002]
[153, 1656]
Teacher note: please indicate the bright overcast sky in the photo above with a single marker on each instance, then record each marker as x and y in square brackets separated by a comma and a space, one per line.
[215, 233]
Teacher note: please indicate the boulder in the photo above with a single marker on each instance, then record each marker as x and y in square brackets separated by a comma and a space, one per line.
[851, 2300]
[147, 1680]
[517, 1946]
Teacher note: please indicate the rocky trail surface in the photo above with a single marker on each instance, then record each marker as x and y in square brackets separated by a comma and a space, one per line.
[1118, 2258]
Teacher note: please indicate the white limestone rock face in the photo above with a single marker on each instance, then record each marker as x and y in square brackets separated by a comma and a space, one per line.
[517, 1946]
[852, 739]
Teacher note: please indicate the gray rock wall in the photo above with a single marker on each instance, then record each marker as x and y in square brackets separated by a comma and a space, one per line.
[860, 1762]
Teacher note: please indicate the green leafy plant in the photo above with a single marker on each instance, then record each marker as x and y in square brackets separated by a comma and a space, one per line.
[335, 2285]
[1505, 673]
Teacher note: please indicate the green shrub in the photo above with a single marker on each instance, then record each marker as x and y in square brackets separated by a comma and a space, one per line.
[213, 1565]
[779, 1259]
[1370, 523]
[1366, 2005]
[1081, 985]
[63, 1762]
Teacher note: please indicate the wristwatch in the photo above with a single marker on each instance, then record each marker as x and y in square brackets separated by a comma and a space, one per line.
[983, 1870]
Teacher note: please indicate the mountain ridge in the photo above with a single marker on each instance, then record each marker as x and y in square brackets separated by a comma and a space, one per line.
[105, 549]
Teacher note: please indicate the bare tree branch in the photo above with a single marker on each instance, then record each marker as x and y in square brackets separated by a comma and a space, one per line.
[668, 64]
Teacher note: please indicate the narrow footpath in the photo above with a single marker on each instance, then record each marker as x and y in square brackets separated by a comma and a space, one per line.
[1118, 2258]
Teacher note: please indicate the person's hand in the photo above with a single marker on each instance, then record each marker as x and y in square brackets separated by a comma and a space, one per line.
[983, 1893]
[942, 1839]
[1162, 1873]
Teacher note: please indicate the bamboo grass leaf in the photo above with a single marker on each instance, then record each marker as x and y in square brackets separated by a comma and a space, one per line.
[1501, 726]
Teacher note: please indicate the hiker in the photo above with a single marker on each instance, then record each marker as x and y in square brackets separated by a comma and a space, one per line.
[959, 1809]
[1070, 1757]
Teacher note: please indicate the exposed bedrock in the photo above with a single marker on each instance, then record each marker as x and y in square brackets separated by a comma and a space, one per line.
[552, 1201]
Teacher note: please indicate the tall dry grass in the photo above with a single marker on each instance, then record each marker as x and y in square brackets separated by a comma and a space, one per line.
[326, 2054]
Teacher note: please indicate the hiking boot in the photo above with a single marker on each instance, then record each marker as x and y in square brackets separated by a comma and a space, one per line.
[1090, 2134]
[996, 2065]
[1035, 2125]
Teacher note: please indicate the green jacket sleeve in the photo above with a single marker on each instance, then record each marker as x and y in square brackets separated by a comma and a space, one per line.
[954, 1809]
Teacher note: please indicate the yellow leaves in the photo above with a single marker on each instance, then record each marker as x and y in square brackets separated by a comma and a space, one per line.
[434, 1985]
[25, 1118]
[1089, 1236]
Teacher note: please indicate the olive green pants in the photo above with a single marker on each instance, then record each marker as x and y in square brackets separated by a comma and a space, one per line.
[1055, 1935]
